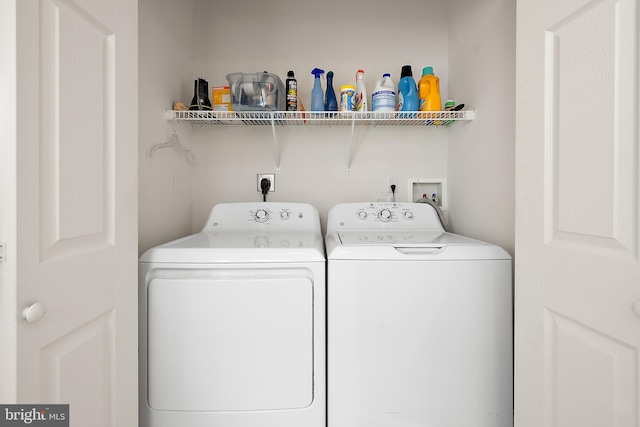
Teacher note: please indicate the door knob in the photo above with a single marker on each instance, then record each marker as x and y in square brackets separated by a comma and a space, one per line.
[636, 307]
[34, 312]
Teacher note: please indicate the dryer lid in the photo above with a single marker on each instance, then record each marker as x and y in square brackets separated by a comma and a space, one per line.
[221, 247]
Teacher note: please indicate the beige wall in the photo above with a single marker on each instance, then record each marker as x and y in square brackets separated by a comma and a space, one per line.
[165, 70]
[377, 36]
[482, 153]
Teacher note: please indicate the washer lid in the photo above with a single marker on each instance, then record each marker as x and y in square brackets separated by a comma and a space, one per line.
[408, 245]
[409, 238]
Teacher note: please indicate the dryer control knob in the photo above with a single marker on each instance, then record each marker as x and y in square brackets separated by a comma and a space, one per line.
[362, 215]
[284, 215]
[385, 215]
[261, 215]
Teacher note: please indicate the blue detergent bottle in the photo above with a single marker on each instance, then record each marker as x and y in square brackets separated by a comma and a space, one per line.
[330, 102]
[317, 95]
[408, 99]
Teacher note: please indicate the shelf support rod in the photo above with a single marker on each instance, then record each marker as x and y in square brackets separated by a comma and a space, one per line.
[350, 154]
[276, 156]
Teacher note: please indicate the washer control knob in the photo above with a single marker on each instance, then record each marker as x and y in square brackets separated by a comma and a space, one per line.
[261, 215]
[385, 215]
[284, 215]
[408, 215]
[362, 215]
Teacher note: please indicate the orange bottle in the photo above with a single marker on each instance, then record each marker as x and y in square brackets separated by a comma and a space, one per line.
[429, 91]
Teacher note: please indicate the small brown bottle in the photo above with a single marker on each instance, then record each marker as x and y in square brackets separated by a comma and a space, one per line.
[292, 92]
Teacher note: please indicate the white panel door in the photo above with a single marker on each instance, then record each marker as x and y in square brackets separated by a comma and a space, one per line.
[577, 260]
[74, 254]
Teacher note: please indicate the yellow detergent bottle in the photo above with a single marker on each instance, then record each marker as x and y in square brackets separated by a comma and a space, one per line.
[429, 91]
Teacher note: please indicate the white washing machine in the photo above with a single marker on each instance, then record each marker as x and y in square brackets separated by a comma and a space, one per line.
[419, 322]
[232, 322]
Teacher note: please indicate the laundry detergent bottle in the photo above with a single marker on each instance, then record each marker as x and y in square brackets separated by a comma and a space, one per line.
[330, 101]
[317, 95]
[407, 91]
[429, 90]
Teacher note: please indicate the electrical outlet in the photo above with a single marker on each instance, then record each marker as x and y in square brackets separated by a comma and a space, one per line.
[272, 180]
[392, 180]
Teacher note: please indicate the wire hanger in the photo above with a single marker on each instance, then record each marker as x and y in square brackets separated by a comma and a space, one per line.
[174, 142]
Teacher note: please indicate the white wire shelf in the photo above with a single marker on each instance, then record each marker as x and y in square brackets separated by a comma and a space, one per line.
[285, 118]
[261, 118]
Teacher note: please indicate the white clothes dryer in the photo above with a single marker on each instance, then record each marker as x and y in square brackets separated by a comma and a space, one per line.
[419, 321]
[232, 322]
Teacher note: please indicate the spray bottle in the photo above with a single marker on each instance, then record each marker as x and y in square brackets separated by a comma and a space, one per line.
[317, 102]
[330, 102]
[361, 92]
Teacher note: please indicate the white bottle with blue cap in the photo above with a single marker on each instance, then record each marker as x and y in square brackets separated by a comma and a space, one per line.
[383, 97]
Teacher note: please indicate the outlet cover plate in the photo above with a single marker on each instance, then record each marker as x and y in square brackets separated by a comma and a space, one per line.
[272, 179]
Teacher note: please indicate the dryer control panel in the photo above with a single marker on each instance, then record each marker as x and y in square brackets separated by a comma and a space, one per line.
[265, 215]
[273, 216]
[383, 215]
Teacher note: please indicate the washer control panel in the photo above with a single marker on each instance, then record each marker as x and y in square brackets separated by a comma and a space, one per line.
[382, 212]
[387, 215]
